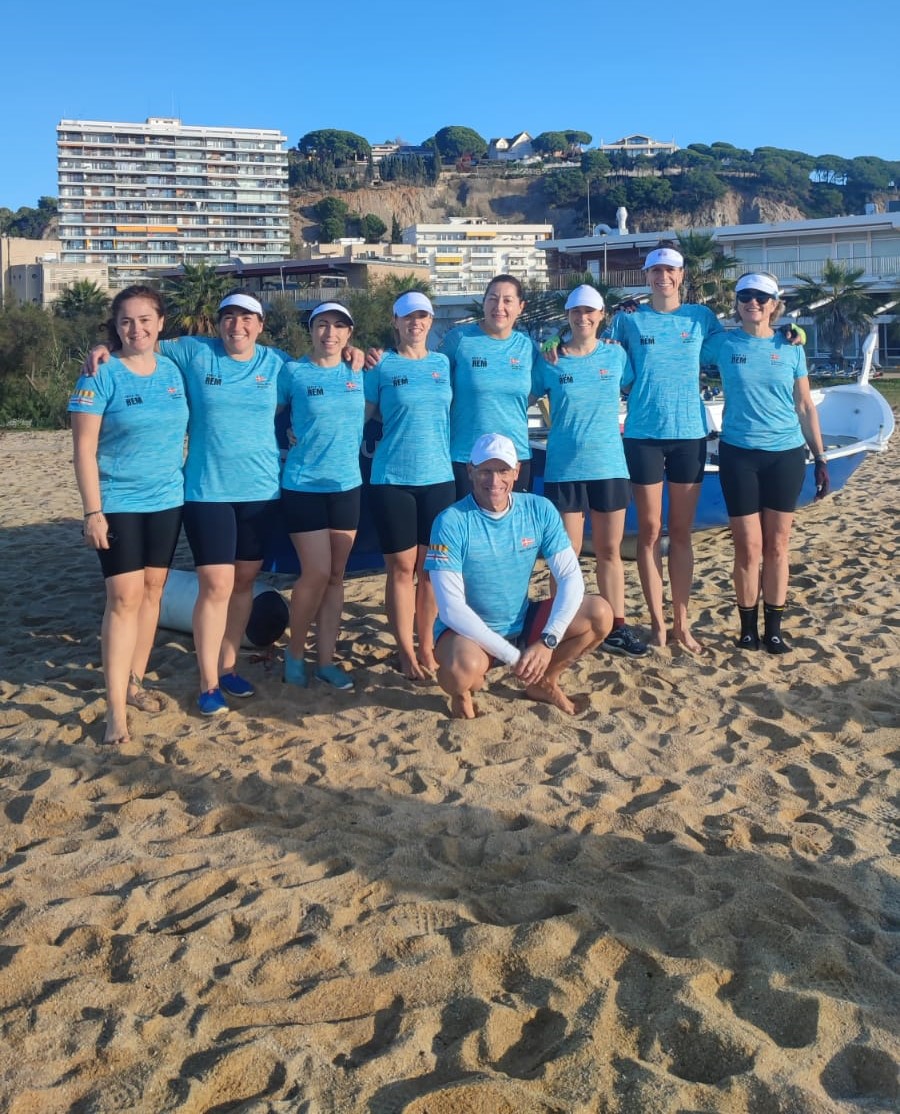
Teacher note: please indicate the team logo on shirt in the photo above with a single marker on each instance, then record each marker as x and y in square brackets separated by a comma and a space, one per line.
[82, 397]
[567, 379]
[515, 362]
[213, 380]
[351, 386]
[648, 340]
[313, 390]
[262, 381]
[775, 358]
[526, 543]
[400, 380]
[439, 553]
[736, 359]
[174, 393]
[134, 400]
[603, 372]
[685, 338]
[479, 361]
[437, 377]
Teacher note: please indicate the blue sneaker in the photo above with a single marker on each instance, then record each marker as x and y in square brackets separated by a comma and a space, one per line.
[294, 670]
[235, 685]
[211, 703]
[335, 676]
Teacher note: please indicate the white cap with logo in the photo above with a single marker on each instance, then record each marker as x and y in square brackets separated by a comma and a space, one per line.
[664, 257]
[494, 446]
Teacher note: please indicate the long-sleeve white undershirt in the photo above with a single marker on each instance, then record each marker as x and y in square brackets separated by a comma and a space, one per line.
[450, 594]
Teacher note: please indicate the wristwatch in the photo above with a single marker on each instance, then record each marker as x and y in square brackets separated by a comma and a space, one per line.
[550, 641]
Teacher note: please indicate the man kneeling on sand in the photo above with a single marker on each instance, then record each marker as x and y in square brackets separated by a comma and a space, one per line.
[482, 553]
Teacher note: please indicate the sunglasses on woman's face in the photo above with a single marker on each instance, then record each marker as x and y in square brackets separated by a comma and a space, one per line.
[753, 296]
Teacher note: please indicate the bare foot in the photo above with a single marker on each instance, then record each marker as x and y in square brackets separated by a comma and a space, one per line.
[657, 637]
[115, 734]
[549, 692]
[686, 639]
[462, 706]
[429, 665]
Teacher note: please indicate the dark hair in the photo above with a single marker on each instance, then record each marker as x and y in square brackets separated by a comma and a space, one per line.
[338, 308]
[247, 294]
[506, 278]
[148, 292]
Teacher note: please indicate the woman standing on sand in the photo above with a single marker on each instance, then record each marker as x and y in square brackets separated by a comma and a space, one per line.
[128, 425]
[586, 469]
[412, 476]
[768, 422]
[490, 373]
[321, 488]
[665, 433]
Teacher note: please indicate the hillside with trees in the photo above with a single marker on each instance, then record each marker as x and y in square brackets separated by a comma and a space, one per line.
[700, 184]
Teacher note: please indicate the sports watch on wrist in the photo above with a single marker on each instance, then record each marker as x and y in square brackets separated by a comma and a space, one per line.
[550, 641]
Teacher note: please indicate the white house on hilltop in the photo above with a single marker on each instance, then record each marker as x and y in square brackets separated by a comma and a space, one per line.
[507, 150]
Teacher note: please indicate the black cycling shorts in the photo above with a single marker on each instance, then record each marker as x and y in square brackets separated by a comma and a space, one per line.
[140, 540]
[601, 496]
[650, 461]
[222, 533]
[757, 479]
[404, 514]
[307, 511]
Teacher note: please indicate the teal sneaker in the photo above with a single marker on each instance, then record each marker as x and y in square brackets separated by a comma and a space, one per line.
[335, 676]
[294, 670]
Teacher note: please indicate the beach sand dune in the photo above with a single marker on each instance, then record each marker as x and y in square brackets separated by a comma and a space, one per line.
[683, 899]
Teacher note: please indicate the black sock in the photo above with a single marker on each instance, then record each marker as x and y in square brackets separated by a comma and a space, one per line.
[775, 644]
[749, 638]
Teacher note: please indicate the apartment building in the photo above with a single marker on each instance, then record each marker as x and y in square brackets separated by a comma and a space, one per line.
[143, 198]
[465, 252]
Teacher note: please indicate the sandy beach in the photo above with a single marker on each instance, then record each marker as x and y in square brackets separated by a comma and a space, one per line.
[683, 899]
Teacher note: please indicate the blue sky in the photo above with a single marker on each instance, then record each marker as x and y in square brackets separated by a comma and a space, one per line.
[812, 75]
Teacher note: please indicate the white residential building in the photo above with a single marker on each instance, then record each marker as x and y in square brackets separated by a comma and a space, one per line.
[145, 197]
[464, 253]
[634, 145]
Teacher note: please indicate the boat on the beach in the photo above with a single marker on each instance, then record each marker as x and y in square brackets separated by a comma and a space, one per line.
[854, 417]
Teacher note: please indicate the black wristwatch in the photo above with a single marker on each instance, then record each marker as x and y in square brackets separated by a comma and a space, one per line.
[550, 641]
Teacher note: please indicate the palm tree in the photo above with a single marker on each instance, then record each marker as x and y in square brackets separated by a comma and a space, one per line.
[706, 267]
[194, 298]
[840, 305]
[82, 299]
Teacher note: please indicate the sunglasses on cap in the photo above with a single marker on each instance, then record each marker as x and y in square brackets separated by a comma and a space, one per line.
[759, 296]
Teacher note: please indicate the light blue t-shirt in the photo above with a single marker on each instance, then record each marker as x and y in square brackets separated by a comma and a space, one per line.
[140, 451]
[232, 452]
[664, 349]
[414, 399]
[584, 442]
[496, 556]
[491, 382]
[758, 376]
[327, 412]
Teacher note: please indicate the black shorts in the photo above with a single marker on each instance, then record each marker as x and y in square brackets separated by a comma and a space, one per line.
[222, 533]
[756, 479]
[404, 514]
[140, 541]
[680, 462]
[306, 511]
[602, 496]
[464, 486]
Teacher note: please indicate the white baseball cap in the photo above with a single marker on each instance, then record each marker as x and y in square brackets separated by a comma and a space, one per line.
[585, 295]
[331, 307]
[410, 302]
[244, 301]
[756, 281]
[494, 446]
[664, 257]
